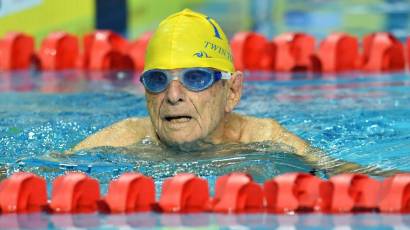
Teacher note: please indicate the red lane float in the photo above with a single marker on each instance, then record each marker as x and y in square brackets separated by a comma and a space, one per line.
[23, 192]
[75, 193]
[294, 52]
[382, 52]
[131, 192]
[137, 50]
[396, 194]
[184, 193]
[106, 50]
[252, 51]
[408, 52]
[338, 52]
[84, 58]
[59, 51]
[16, 51]
[351, 192]
[236, 193]
[294, 192]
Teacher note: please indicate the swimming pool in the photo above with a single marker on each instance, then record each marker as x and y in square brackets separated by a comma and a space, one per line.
[207, 221]
[356, 117]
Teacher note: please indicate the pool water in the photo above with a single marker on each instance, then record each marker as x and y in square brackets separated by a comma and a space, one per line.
[206, 221]
[362, 118]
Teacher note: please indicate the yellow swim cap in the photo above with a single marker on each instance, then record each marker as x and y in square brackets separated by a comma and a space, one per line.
[189, 39]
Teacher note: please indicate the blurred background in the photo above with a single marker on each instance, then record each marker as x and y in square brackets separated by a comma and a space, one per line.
[269, 17]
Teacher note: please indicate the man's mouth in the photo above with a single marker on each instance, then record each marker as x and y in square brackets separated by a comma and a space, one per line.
[178, 119]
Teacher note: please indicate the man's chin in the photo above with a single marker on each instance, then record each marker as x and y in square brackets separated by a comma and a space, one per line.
[184, 144]
[178, 137]
[178, 141]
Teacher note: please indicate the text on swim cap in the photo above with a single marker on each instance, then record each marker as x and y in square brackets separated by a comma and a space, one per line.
[218, 49]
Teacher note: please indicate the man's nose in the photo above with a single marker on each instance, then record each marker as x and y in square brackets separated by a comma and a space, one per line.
[175, 92]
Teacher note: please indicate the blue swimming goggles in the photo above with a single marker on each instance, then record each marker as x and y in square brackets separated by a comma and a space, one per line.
[194, 79]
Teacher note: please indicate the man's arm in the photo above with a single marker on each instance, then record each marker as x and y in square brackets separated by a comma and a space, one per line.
[120, 134]
[320, 159]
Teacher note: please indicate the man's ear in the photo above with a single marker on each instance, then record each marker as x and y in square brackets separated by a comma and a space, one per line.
[234, 91]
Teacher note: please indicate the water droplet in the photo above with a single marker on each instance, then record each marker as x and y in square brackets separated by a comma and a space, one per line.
[31, 135]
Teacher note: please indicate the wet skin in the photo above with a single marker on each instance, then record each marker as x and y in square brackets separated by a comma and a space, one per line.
[180, 116]
[190, 121]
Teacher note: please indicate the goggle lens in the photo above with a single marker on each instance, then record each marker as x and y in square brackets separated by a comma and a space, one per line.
[196, 79]
[155, 81]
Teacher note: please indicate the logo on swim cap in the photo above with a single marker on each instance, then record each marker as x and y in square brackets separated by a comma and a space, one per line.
[216, 29]
[189, 39]
[201, 54]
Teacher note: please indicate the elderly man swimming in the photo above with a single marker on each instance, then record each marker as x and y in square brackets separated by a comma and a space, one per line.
[191, 91]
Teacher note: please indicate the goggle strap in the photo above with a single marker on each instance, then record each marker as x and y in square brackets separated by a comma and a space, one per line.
[226, 75]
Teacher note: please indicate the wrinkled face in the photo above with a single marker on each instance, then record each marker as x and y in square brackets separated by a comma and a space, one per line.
[182, 116]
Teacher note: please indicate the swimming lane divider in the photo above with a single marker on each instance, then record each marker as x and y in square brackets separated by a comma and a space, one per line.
[75, 192]
[104, 50]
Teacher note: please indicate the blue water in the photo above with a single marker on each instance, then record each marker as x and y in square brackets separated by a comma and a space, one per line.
[206, 221]
[354, 117]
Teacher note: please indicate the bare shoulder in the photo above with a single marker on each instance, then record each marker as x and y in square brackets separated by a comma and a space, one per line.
[255, 129]
[121, 133]
[133, 123]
